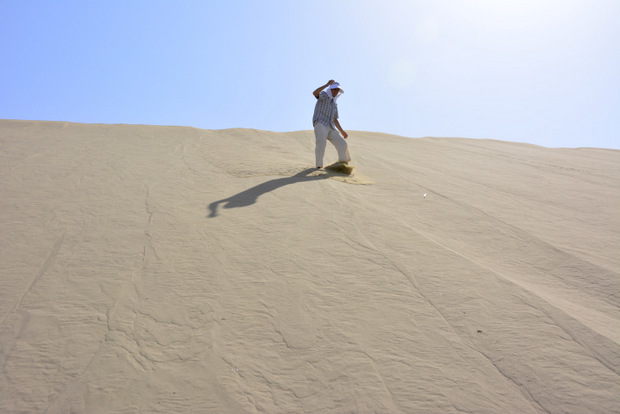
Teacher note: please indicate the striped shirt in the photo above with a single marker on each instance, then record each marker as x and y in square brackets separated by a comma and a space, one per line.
[325, 111]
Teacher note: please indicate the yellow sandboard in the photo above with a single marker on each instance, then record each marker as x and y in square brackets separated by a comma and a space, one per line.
[341, 167]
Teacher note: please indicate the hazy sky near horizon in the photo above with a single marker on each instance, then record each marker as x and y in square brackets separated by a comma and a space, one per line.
[545, 72]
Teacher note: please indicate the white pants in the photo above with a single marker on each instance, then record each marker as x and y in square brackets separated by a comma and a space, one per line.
[322, 134]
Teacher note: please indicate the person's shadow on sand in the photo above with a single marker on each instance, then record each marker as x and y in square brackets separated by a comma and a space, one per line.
[250, 196]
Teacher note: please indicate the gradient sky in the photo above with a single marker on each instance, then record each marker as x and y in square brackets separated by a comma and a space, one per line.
[545, 72]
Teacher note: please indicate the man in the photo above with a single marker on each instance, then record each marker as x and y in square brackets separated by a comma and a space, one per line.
[326, 125]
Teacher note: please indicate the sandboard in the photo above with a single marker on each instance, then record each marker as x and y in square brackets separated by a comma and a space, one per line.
[341, 167]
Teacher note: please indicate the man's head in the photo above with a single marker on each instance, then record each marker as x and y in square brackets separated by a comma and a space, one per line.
[335, 90]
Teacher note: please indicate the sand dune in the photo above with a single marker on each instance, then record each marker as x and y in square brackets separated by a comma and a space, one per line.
[155, 269]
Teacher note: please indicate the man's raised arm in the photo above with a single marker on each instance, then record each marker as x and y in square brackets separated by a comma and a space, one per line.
[320, 88]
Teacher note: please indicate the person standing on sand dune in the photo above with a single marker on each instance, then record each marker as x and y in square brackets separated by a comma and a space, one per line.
[326, 125]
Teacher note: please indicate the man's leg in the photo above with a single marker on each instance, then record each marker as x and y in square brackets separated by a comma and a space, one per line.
[320, 134]
[341, 145]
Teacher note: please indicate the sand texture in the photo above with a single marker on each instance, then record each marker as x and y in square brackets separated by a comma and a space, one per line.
[151, 269]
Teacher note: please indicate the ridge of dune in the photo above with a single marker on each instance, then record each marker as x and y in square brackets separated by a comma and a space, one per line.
[179, 270]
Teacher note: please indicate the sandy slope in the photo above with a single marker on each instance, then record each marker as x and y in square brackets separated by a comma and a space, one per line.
[176, 270]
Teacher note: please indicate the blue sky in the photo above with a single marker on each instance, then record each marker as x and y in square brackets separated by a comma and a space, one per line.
[540, 71]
